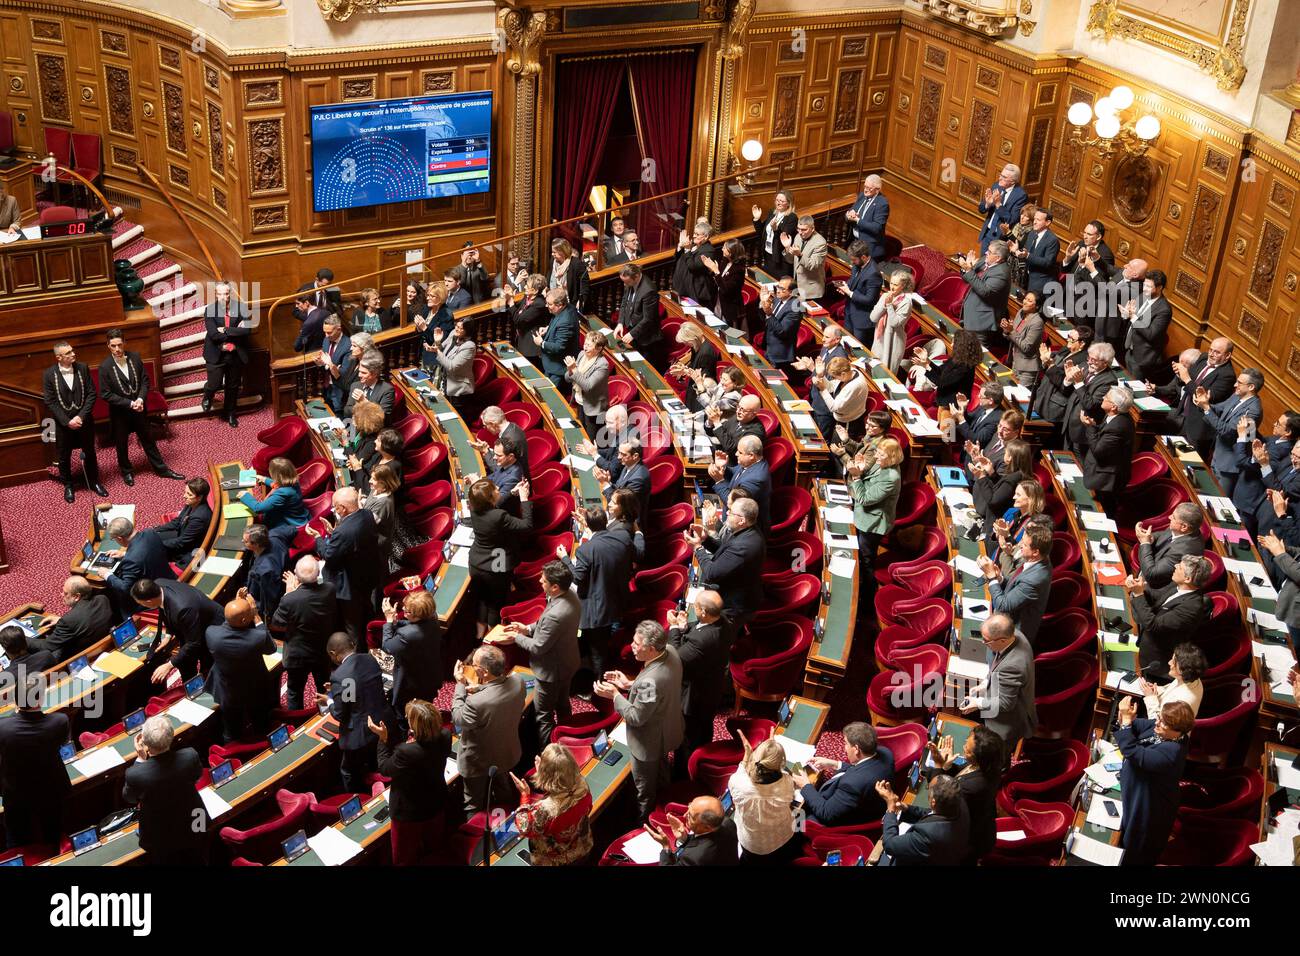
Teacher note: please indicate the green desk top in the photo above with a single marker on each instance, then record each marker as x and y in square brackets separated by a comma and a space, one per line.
[211, 584]
[839, 614]
[959, 730]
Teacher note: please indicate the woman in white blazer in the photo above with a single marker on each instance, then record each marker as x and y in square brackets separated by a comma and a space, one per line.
[844, 390]
[890, 314]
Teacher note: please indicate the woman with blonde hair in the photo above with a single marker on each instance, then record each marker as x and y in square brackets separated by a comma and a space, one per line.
[697, 365]
[848, 402]
[763, 795]
[436, 316]
[874, 486]
[379, 502]
[558, 826]
[589, 373]
[418, 792]
[890, 314]
[362, 455]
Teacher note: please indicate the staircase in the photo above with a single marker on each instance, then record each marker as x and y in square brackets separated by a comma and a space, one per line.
[178, 304]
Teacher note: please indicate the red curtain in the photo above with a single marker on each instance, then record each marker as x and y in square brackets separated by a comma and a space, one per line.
[663, 89]
[585, 95]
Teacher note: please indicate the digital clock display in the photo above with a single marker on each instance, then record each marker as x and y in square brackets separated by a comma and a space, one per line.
[57, 230]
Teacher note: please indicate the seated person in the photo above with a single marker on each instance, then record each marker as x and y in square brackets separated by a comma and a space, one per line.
[89, 618]
[22, 659]
[1186, 666]
[939, 836]
[846, 793]
[277, 500]
[1169, 616]
[186, 531]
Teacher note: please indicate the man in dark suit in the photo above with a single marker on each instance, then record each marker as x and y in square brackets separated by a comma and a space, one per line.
[1253, 457]
[769, 228]
[630, 251]
[34, 783]
[1087, 384]
[940, 837]
[733, 566]
[186, 531]
[729, 431]
[1040, 251]
[1215, 374]
[561, 338]
[638, 317]
[1000, 206]
[124, 384]
[1088, 266]
[306, 617]
[1053, 393]
[173, 822]
[1024, 594]
[1175, 393]
[1159, 552]
[602, 570]
[142, 556]
[1222, 420]
[312, 329]
[980, 427]
[704, 648]
[1148, 330]
[985, 305]
[322, 295]
[707, 837]
[89, 619]
[265, 580]
[551, 643]
[458, 298]
[22, 659]
[356, 694]
[750, 473]
[1280, 482]
[846, 796]
[70, 397]
[371, 387]
[352, 562]
[496, 423]
[1169, 616]
[1154, 751]
[225, 350]
[508, 471]
[473, 277]
[870, 215]
[633, 476]
[862, 291]
[1108, 459]
[335, 354]
[184, 615]
[1005, 699]
[692, 279]
[782, 315]
[239, 681]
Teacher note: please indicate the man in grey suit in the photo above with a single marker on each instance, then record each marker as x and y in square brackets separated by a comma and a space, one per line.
[985, 305]
[652, 710]
[552, 646]
[1159, 551]
[371, 387]
[1005, 699]
[486, 716]
[1024, 594]
[1087, 386]
[1222, 420]
[807, 251]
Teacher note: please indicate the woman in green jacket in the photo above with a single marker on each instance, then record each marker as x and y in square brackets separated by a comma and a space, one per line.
[874, 486]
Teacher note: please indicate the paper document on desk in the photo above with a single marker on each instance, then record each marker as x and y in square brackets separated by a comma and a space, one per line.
[1111, 603]
[1099, 816]
[450, 770]
[447, 416]
[967, 566]
[896, 387]
[1094, 851]
[1117, 680]
[1103, 551]
[642, 849]
[97, 761]
[1068, 470]
[519, 361]
[1098, 774]
[1149, 403]
[619, 734]
[463, 536]
[957, 498]
[1096, 521]
[577, 463]
[1277, 658]
[843, 567]
[1017, 393]
[1265, 620]
[842, 541]
[971, 670]
[87, 674]
[460, 558]
[837, 514]
[213, 803]
[801, 421]
[189, 712]
[851, 342]
[334, 847]
[220, 567]
[796, 751]
[1287, 774]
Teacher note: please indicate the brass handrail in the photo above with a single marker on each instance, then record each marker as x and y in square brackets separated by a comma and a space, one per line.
[779, 165]
[189, 227]
[108, 207]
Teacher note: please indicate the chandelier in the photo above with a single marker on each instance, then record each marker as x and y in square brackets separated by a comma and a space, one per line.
[1113, 124]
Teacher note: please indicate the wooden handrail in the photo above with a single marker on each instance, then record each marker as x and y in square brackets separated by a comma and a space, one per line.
[189, 227]
[108, 208]
[502, 240]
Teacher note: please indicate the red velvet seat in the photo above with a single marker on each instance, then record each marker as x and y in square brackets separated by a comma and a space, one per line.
[549, 478]
[415, 431]
[1046, 770]
[1044, 826]
[1069, 591]
[588, 724]
[656, 445]
[771, 424]
[314, 477]
[851, 848]
[895, 638]
[1061, 689]
[423, 499]
[1159, 497]
[665, 481]
[1225, 613]
[523, 414]
[423, 463]
[32, 853]
[542, 447]
[1231, 655]
[552, 511]
[1066, 554]
[666, 552]
[1147, 467]
[422, 558]
[906, 742]
[931, 617]
[799, 551]
[1225, 715]
[912, 690]
[779, 454]
[1074, 631]
[262, 841]
[915, 504]
[524, 612]
[220, 752]
[1217, 571]
[663, 522]
[715, 762]
[621, 390]
[614, 855]
[767, 663]
[923, 579]
[319, 506]
[496, 391]
[88, 156]
[484, 370]
[932, 545]
[947, 295]
[436, 525]
[540, 552]
[788, 506]
[326, 812]
[651, 587]
[1211, 843]
[1215, 793]
[795, 594]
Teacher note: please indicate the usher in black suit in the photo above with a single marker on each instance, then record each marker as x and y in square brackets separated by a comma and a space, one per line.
[65, 404]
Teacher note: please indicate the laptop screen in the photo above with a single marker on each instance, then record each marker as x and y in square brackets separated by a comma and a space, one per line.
[125, 633]
[84, 840]
[222, 772]
[133, 721]
[350, 810]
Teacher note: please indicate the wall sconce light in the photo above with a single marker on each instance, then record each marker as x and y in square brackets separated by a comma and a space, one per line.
[751, 151]
[1115, 129]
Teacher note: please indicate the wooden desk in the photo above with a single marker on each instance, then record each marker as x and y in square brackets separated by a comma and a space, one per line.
[836, 622]
[1272, 755]
[946, 725]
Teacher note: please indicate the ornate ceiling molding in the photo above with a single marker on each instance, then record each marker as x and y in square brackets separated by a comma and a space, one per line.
[1225, 61]
[992, 18]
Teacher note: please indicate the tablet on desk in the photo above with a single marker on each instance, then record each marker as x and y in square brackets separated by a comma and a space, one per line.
[783, 713]
[85, 840]
[194, 686]
[279, 738]
[14, 861]
[125, 634]
[350, 810]
[295, 846]
[506, 835]
[133, 721]
[78, 665]
[68, 752]
[222, 774]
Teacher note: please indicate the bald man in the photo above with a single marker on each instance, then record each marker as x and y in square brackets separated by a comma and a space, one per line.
[707, 837]
[239, 680]
[306, 617]
[729, 431]
[354, 562]
[89, 619]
